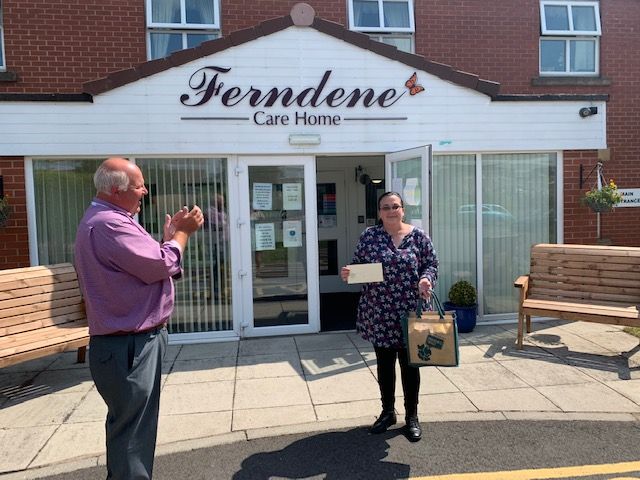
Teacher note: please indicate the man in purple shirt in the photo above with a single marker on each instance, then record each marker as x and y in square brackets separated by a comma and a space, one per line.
[126, 281]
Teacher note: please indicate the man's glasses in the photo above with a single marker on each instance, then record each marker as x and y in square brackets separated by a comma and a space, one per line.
[386, 208]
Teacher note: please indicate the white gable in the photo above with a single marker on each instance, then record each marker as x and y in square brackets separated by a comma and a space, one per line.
[148, 117]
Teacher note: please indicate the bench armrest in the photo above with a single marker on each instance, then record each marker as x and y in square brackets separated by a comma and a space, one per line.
[522, 282]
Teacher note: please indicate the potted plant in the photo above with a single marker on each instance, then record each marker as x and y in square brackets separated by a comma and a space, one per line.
[603, 199]
[5, 210]
[463, 299]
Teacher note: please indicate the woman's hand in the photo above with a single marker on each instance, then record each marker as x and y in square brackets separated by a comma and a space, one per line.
[424, 286]
[344, 273]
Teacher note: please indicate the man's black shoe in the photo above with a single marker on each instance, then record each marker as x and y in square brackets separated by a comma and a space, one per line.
[384, 421]
[413, 429]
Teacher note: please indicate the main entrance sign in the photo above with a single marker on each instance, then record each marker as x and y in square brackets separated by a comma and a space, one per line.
[207, 84]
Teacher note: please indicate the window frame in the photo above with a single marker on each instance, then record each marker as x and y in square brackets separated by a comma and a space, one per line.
[183, 28]
[3, 57]
[569, 35]
[182, 33]
[379, 36]
[183, 25]
[410, 29]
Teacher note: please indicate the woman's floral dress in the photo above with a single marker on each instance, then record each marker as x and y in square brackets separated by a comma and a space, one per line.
[382, 304]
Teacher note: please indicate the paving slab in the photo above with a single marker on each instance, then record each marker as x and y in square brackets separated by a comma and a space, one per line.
[177, 428]
[346, 410]
[269, 366]
[345, 387]
[513, 399]
[628, 388]
[71, 441]
[482, 376]
[199, 351]
[21, 445]
[263, 346]
[549, 371]
[444, 402]
[326, 362]
[91, 408]
[267, 392]
[196, 398]
[588, 397]
[43, 410]
[205, 370]
[273, 417]
[327, 341]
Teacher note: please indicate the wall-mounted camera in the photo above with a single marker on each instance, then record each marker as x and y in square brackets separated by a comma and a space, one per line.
[585, 112]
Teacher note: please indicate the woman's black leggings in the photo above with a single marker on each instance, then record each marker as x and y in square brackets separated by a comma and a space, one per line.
[386, 358]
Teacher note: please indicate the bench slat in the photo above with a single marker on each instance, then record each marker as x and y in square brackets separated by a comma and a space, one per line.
[583, 272]
[554, 293]
[45, 322]
[627, 311]
[63, 346]
[588, 265]
[38, 290]
[586, 280]
[42, 314]
[574, 285]
[568, 248]
[48, 301]
[20, 344]
[18, 276]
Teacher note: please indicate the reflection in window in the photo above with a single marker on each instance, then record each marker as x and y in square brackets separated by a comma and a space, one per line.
[569, 43]
[387, 21]
[175, 25]
[2, 65]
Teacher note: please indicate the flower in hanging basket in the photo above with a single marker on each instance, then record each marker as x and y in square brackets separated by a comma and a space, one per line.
[5, 210]
[603, 199]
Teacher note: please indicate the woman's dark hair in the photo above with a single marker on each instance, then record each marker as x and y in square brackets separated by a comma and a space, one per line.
[388, 194]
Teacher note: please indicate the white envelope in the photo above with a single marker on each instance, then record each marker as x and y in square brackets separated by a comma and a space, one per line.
[365, 273]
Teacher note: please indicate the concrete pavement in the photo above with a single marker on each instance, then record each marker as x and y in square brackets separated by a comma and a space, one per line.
[52, 418]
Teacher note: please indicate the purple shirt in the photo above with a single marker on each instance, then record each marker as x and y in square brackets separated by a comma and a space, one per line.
[124, 274]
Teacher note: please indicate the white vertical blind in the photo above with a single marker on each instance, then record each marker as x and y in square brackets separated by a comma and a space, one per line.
[64, 188]
[454, 219]
[203, 295]
[519, 210]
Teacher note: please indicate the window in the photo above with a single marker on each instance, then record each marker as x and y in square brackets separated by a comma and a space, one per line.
[569, 44]
[2, 65]
[387, 21]
[178, 24]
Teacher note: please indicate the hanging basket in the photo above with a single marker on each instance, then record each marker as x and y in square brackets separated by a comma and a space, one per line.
[5, 214]
[597, 206]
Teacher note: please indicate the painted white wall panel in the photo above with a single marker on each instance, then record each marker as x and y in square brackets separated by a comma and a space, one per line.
[145, 117]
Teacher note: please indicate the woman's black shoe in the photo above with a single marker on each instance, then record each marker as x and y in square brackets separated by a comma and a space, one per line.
[413, 429]
[384, 421]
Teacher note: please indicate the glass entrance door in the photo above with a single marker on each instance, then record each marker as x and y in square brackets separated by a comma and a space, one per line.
[279, 273]
[407, 173]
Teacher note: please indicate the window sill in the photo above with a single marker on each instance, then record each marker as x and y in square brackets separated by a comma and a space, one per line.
[577, 81]
[8, 77]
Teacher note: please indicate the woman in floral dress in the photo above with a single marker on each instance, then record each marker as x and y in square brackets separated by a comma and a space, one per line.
[410, 268]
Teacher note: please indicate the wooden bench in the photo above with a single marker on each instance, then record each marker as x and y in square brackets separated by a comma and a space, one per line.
[581, 282]
[41, 313]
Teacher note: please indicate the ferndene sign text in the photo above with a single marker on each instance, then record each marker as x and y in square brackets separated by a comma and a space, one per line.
[207, 83]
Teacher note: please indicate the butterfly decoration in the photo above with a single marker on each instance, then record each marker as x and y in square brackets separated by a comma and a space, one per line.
[414, 88]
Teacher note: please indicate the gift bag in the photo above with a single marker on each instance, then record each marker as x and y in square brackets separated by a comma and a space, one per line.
[431, 337]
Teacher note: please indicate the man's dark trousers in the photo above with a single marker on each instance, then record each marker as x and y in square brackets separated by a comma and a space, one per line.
[127, 371]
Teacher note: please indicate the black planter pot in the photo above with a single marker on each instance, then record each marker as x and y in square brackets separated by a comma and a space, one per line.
[465, 316]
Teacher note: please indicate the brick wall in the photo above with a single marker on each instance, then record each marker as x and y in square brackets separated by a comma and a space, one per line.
[14, 239]
[57, 45]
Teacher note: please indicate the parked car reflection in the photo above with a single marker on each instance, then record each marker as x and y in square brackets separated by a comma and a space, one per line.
[497, 221]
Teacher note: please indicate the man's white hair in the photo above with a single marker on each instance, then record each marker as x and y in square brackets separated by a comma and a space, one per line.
[105, 178]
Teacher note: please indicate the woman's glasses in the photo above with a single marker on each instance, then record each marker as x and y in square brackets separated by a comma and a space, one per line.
[386, 208]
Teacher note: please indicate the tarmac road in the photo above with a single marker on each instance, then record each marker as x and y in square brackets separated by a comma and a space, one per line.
[494, 450]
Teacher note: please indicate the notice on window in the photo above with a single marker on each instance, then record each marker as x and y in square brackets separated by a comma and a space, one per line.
[292, 233]
[411, 192]
[265, 237]
[292, 196]
[262, 196]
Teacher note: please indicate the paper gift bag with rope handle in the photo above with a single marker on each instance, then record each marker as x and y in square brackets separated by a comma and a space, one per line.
[431, 337]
